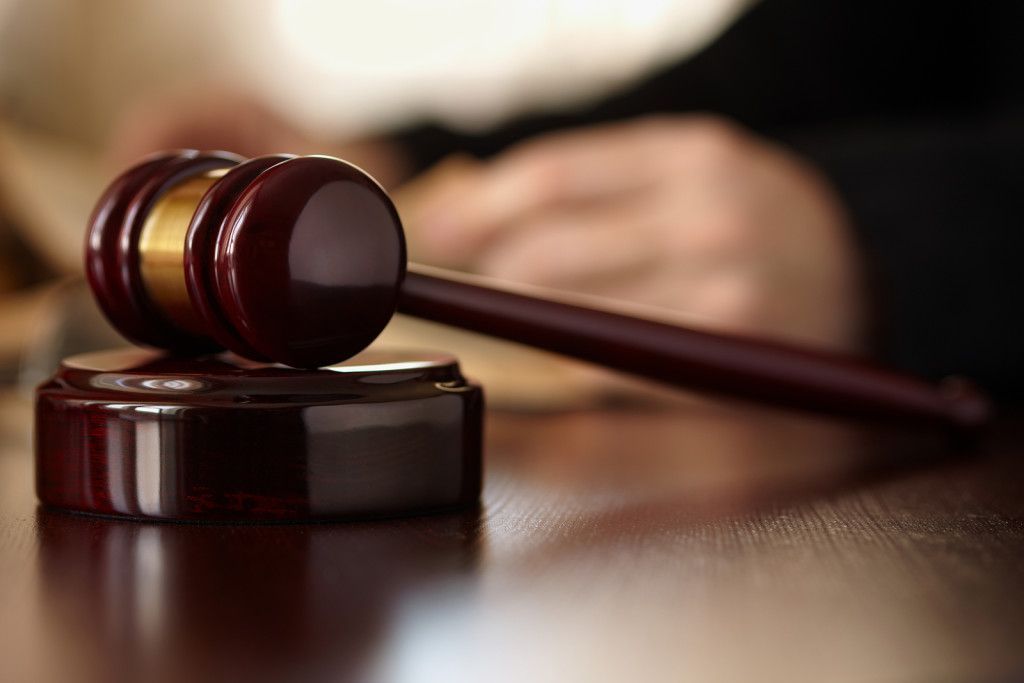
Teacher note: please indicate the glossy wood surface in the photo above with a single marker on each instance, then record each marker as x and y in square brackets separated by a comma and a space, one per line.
[111, 247]
[144, 435]
[703, 360]
[308, 262]
[200, 251]
[304, 264]
[664, 543]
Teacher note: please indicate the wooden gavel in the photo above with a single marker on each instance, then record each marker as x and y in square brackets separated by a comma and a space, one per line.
[302, 261]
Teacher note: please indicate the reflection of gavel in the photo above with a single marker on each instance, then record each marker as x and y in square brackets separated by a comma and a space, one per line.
[302, 261]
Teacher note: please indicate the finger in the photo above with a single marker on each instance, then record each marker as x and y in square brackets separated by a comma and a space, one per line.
[450, 177]
[549, 172]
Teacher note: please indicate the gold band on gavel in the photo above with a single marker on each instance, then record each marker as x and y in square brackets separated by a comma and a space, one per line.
[162, 249]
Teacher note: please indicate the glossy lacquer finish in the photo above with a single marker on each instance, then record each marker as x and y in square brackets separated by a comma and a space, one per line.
[731, 365]
[112, 246]
[218, 438]
[308, 262]
[301, 260]
[200, 245]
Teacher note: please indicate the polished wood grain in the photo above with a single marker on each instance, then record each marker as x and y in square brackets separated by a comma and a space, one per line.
[667, 542]
[142, 434]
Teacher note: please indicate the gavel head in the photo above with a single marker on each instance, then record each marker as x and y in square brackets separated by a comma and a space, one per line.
[296, 260]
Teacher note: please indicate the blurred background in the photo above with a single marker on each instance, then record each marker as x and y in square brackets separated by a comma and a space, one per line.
[838, 174]
[341, 69]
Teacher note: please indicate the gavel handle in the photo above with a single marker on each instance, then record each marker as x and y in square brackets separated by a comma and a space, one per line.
[723, 364]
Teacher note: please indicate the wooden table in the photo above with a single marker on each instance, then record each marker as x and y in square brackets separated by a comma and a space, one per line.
[677, 542]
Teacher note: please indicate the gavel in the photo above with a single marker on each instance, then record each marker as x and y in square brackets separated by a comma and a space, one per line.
[302, 261]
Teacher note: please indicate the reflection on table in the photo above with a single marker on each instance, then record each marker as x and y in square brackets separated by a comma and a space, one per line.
[669, 542]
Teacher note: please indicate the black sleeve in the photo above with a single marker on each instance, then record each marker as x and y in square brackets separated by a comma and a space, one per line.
[914, 110]
[937, 208]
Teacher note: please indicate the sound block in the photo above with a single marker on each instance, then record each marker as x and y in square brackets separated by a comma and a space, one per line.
[139, 434]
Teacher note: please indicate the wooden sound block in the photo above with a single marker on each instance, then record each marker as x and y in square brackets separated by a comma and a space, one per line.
[139, 434]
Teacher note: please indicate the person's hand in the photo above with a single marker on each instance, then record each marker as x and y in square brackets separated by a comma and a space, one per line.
[202, 117]
[215, 117]
[688, 213]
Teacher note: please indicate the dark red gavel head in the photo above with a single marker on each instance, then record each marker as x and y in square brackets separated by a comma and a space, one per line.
[296, 260]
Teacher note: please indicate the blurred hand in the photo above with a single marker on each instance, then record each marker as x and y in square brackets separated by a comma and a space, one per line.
[215, 117]
[688, 213]
[202, 117]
